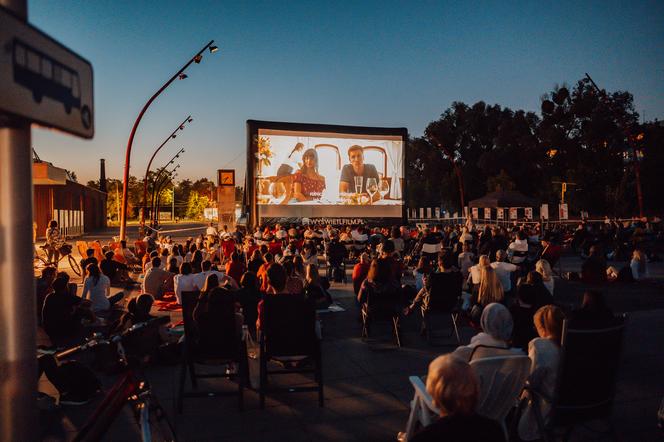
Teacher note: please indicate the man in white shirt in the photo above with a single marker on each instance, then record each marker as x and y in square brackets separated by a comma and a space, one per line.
[200, 278]
[211, 231]
[518, 249]
[504, 270]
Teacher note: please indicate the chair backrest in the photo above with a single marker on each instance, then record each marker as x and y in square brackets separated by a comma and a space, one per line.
[214, 336]
[431, 248]
[288, 326]
[82, 248]
[588, 370]
[445, 290]
[501, 380]
[383, 303]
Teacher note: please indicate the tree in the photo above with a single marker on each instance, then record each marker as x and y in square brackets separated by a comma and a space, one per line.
[196, 205]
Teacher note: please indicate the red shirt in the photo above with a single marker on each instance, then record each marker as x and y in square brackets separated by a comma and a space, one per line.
[235, 269]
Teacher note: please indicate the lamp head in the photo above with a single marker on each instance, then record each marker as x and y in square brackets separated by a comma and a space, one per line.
[213, 49]
[182, 76]
[198, 58]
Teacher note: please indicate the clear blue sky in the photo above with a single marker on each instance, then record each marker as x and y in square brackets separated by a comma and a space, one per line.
[373, 63]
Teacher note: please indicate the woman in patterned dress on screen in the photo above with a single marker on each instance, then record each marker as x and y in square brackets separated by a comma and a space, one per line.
[308, 184]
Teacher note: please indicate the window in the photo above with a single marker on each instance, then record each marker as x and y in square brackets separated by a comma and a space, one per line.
[34, 62]
[47, 68]
[19, 55]
[378, 157]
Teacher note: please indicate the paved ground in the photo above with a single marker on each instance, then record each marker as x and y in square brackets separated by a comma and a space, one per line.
[367, 392]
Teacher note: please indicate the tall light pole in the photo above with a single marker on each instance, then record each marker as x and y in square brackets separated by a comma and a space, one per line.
[156, 178]
[156, 184]
[159, 187]
[147, 170]
[125, 184]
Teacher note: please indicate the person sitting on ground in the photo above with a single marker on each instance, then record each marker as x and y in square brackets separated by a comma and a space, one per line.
[43, 287]
[455, 391]
[639, 265]
[255, 262]
[185, 281]
[294, 282]
[593, 313]
[63, 312]
[314, 290]
[544, 352]
[310, 254]
[593, 270]
[155, 279]
[497, 325]
[360, 272]
[117, 272]
[89, 258]
[98, 287]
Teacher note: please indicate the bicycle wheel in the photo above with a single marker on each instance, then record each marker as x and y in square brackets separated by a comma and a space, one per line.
[155, 426]
[74, 265]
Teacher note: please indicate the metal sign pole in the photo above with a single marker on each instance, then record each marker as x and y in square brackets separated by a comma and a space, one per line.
[18, 364]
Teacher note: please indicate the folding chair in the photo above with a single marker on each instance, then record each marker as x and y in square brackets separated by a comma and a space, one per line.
[228, 348]
[422, 410]
[501, 379]
[445, 291]
[288, 337]
[381, 309]
[586, 381]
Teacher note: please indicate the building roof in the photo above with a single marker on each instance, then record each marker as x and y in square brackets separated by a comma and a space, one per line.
[504, 198]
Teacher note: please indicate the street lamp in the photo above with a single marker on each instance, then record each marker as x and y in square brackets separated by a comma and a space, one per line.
[157, 189]
[158, 175]
[147, 170]
[125, 184]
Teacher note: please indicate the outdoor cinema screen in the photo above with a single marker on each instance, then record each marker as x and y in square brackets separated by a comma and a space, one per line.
[318, 171]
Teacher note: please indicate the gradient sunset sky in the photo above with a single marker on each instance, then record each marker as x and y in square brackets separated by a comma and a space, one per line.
[367, 63]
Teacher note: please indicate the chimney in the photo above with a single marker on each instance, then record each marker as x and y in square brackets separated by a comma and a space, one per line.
[102, 175]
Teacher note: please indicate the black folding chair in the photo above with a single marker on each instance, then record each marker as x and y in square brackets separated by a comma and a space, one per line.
[226, 348]
[288, 339]
[586, 381]
[383, 307]
[445, 290]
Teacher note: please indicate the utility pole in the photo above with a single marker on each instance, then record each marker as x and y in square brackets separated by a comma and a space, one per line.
[173, 204]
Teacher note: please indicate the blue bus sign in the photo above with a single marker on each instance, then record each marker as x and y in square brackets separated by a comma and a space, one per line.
[42, 80]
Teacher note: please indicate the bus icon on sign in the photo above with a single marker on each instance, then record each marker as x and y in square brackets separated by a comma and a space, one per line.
[44, 76]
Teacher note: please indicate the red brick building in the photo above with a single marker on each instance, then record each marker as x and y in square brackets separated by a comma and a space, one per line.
[77, 208]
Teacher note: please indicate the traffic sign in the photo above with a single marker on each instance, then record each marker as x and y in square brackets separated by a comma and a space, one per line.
[43, 81]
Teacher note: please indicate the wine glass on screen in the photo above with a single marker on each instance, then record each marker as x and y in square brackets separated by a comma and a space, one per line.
[383, 188]
[359, 181]
[278, 192]
[372, 188]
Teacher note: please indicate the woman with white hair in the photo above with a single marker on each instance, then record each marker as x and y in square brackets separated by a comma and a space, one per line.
[497, 326]
[454, 389]
[543, 268]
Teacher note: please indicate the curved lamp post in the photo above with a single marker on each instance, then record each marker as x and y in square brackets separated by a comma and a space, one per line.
[147, 170]
[157, 189]
[156, 179]
[125, 184]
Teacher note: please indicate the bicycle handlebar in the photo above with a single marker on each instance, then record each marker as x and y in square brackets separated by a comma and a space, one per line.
[161, 320]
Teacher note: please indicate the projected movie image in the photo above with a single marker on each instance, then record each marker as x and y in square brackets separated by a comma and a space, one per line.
[311, 174]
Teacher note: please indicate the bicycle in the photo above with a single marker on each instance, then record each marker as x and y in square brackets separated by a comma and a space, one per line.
[41, 258]
[132, 388]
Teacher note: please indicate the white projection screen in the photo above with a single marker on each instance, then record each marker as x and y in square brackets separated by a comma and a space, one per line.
[325, 173]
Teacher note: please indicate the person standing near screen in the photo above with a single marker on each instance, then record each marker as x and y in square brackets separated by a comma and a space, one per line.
[356, 168]
[308, 184]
